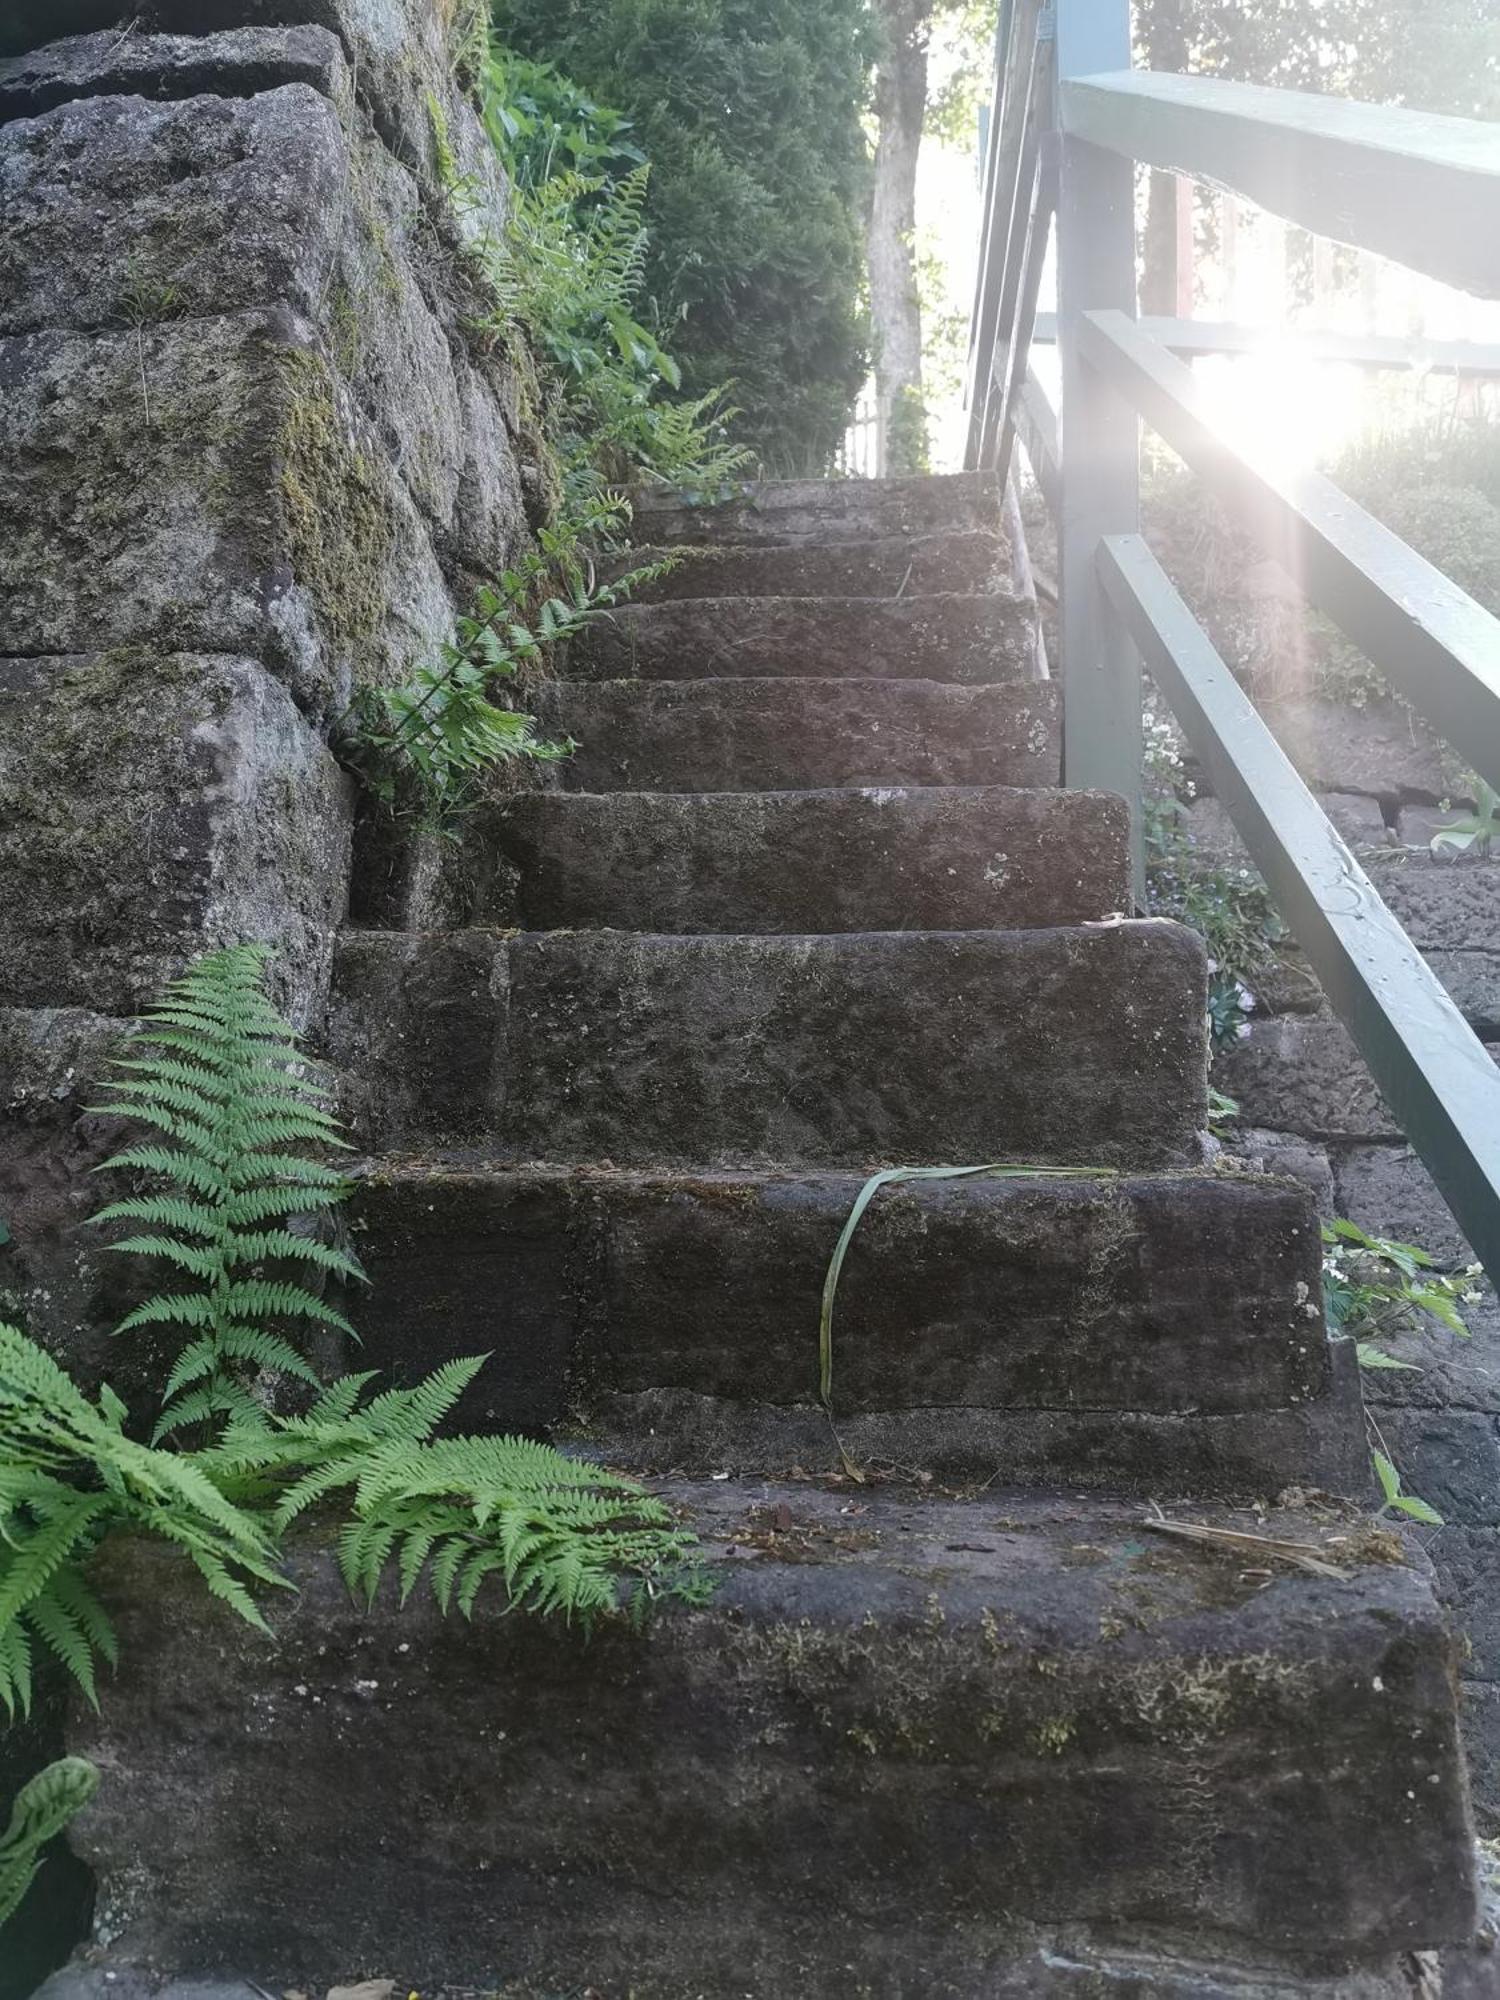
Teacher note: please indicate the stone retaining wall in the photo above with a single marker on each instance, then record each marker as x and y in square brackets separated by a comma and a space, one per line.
[251, 457]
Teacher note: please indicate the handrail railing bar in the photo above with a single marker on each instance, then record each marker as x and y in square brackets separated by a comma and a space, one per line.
[999, 205]
[1432, 1069]
[1433, 641]
[1036, 427]
[1189, 339]
[1411, 185]
[1019, 346]
[1018, 242]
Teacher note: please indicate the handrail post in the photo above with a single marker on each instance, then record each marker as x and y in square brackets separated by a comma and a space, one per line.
[1100, 434]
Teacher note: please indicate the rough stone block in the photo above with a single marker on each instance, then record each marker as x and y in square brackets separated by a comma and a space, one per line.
[1357, 818]
[417, 1025]
[1443, 1372]
[116, 210]
[972, 1320]
[890, 859]
[1467, 1563]
[1387, 1191]
[1075, 1045]
[1381, 750]
[123, 210]
[206, 487]
[1451, 1458]
[1304, 1075]
[966, 639]
[150, 808]
[985, 1714]
[1082, 1045]
[725, 736]
[1472, 979]
[1285, 1154]
[1480, 1716]
[1443, 905]
[405, 56]
[918, 564]
[235, 64]
[820, 511]
[953, 639]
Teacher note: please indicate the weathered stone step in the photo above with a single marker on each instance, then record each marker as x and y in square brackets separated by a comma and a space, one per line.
[905, 1732]
[945, 859]
[790, 511]
[888, 569]
[944, 637]
[1082, 1045]
[1151, 1334]
[741, 736]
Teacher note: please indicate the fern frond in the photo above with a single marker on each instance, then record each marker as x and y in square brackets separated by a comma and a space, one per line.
[43, 1807]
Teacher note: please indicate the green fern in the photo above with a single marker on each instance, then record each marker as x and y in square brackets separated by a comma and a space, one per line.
[218, 1076]
[221, 1085]
[69, 1476]
[43, 1807]
[562, 1534]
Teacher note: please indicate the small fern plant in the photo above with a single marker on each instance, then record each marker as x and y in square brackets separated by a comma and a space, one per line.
[218, 1075]
[563, 1535]
[69, 1476]
[43, 1807]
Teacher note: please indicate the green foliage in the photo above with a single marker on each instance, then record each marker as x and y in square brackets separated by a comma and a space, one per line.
[69, 1476]
[1437, 55]
[1229, 906]
[218, 1076]
[907, 447]
[1475, 832]
[562, 1534]
[750, 112]
[568, 272]
[219, 1082]
[43, 1807]
[427, 748]
[1374, 1288]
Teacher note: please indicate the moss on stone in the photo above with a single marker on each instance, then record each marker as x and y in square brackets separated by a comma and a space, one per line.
[339, 525]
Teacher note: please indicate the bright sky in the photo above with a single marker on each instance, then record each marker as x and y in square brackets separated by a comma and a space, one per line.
[1306, 409]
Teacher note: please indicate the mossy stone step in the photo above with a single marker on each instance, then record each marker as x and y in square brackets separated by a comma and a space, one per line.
[891, 568]
[968, 639]
[1083, 1045]
[882, 859]
[1156, 1334]
[789, 512]
[729, 735]
[906, 1728]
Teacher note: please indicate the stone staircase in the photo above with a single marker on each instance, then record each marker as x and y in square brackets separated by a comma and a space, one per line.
[809, 902]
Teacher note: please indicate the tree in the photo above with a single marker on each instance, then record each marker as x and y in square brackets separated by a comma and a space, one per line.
[750, 113]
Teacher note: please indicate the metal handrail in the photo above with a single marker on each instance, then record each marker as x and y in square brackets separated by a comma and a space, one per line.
[1424, 190]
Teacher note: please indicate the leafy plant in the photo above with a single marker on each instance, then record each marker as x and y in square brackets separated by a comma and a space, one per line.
[219, 1076]
[220, 1082]
[567, 272]
[560, 1532]
[44, 1805]
[1229, 906]
[69, 1476]
[751, 117]
[427, 748]
[1477, 831]
[1374, 1288]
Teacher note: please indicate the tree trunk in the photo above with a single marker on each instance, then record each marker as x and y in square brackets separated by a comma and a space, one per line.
[1163, 30]
[900, 106]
